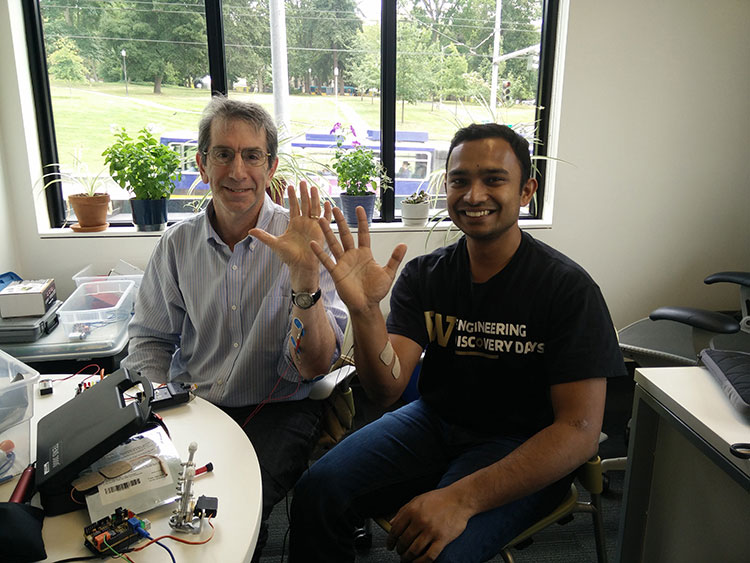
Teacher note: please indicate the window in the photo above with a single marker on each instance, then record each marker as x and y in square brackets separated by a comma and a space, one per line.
[154, 63]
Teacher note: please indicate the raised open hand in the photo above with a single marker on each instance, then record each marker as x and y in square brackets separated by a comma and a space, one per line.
[293, 247]
[360, 281]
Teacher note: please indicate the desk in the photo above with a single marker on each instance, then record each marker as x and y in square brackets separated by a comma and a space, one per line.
[105, 345]
[235, 481]
[687, 498]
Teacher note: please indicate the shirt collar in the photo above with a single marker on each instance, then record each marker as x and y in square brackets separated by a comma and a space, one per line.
[264, 219]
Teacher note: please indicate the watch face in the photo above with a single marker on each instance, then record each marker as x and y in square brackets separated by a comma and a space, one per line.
[303, 300]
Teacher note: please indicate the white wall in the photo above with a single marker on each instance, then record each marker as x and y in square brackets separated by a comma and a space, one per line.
[657, 195]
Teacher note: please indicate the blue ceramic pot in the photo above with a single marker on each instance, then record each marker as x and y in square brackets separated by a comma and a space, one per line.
[349, 204]
[149, 214]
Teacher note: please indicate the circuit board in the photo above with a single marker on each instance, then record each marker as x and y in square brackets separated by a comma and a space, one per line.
[113, 531]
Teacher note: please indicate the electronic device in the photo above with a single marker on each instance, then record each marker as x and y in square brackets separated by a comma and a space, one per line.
[76, 434]
[116, 532]
[171, 394]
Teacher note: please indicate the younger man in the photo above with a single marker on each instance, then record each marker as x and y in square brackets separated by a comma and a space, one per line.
[518, 342]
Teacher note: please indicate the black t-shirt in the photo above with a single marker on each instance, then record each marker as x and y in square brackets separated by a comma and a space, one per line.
[494, 349]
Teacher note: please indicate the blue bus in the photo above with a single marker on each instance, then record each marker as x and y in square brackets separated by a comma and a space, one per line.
[416, 159]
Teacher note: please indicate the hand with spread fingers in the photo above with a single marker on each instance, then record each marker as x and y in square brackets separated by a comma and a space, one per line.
[360, 281]
[425, 525]
[293, 247]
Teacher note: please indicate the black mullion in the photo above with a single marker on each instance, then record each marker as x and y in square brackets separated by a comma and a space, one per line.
[217, 65]
[43, 105]
[550, 10]
[388, 104]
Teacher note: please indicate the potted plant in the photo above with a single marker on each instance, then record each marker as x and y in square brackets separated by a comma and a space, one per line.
[148, 170]
[415, 209]
[358, 172]
[90, 204]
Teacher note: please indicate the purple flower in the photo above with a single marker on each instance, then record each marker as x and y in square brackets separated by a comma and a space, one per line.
[351, 128]
[356, 143]
[336, 127]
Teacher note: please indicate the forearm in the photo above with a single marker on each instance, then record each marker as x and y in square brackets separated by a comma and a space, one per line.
[379, 375]
[318, 344]
[150, 357]
[543, 459]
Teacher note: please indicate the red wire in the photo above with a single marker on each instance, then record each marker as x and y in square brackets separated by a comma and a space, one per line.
[268, 399]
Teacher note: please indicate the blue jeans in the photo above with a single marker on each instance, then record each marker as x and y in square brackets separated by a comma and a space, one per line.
[381, 467]
[283, 435]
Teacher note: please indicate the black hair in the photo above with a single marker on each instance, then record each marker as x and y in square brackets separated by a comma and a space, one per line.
[477, 131]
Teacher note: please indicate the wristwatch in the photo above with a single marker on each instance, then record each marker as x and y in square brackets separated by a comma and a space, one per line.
[305, 300]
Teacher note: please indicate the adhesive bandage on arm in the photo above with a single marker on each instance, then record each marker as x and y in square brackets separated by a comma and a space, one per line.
[388, 357]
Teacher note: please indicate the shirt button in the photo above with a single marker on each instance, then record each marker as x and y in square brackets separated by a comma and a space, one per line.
[234, 307]
[220, 382]
[234, 267]
[236, 345]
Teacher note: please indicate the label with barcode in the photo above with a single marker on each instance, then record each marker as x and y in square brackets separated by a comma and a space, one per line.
[121, 486]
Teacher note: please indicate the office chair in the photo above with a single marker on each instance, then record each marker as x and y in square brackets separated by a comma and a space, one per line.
[674, 336]
[589, 475]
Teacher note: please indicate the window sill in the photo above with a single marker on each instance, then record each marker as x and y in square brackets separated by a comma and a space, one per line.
[130, 231]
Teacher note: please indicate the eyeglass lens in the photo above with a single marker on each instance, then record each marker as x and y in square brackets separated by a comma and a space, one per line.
[250, 157]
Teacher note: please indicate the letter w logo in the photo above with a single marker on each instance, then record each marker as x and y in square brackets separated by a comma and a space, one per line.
[437, 329]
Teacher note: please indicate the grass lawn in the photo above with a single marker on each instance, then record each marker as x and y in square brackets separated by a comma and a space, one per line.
[83, 115]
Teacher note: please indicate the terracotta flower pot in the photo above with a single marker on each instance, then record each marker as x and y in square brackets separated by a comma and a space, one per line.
[91, 212]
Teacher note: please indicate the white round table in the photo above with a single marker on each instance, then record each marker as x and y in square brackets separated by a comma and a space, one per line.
[235, 481]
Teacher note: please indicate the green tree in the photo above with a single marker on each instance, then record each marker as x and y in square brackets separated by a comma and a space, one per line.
[326, 31]
[413, 76]
[65, 63]
[365, 70]
[247, 40]
[157, 34]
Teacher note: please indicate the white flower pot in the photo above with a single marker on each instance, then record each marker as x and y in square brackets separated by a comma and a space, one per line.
[415, 214]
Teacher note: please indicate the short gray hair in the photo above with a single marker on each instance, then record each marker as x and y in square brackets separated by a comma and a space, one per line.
[222, 107]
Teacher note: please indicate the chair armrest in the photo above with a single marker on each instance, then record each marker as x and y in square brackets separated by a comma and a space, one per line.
[740, 278]
[699, 318]
[323, 387]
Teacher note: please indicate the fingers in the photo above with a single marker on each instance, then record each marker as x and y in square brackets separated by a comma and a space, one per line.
[327, 211]
[324, 258]
[304, 194]
[347, 240]
[294, 210]
[330, 237]
[314, 200]
[363, 229]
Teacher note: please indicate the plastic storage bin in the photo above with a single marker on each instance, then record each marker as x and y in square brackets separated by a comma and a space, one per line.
[16, 409]
[87, 274]
[96, 305]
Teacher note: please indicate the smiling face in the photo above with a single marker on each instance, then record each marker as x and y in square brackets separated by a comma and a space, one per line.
[483, 187]
[237, 190]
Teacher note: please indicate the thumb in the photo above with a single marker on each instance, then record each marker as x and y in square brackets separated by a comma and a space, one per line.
[264, 237]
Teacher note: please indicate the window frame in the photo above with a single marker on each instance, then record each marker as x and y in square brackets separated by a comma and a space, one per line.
[218, 70]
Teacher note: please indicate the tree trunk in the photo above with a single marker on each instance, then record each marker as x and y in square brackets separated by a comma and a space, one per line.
[403, 103]
[157, 84]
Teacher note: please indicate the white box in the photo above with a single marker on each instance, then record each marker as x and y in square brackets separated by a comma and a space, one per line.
[27, 298]
[121, 271]
[16, 409]
[94, 305]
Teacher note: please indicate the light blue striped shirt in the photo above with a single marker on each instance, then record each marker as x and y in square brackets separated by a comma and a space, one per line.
[221, 319]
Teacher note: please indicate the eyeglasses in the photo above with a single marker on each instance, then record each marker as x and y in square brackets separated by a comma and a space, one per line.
[222, 156]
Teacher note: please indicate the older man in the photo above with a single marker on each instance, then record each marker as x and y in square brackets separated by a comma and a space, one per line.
[234, 301]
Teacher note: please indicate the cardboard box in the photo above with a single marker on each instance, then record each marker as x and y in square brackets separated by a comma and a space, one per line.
[27, 298]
